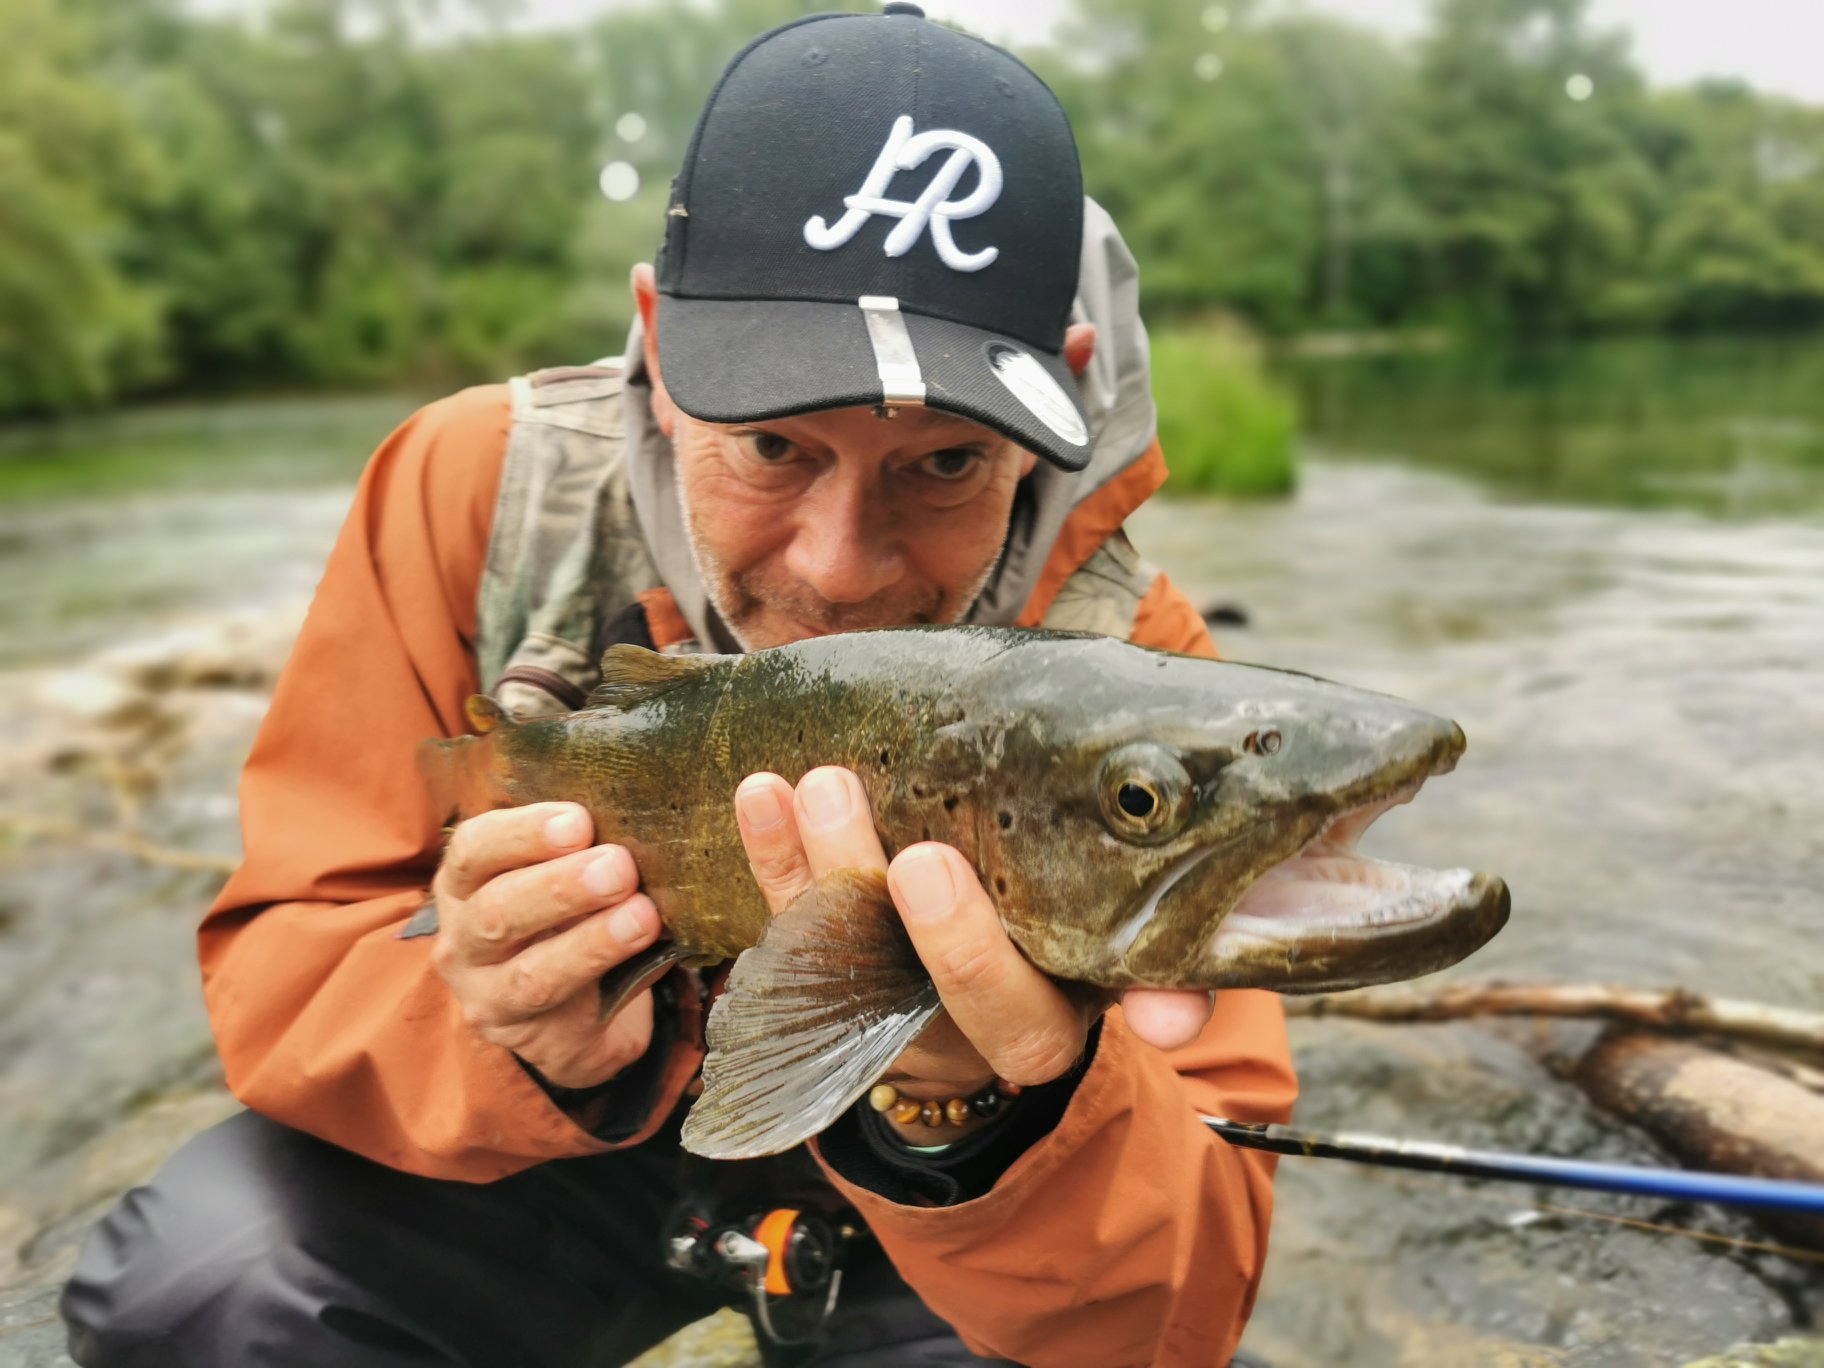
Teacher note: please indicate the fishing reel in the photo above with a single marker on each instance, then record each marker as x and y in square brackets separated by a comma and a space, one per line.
[785, 1262]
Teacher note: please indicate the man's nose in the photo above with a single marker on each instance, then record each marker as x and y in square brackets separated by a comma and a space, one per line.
[844, 545]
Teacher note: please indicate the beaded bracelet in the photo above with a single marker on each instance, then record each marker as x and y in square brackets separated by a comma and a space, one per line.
[885, 1098]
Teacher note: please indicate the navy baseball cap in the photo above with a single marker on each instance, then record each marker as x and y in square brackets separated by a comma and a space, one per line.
[877, 210]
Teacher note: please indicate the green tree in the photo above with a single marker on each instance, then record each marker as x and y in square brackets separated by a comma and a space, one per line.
[1742, 242]
[73, 328]
[1537, 202]
[351, 192]
[1248, 161]
[1233, 187]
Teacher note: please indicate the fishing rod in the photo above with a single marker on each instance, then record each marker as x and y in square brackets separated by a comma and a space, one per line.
[1678, 1184]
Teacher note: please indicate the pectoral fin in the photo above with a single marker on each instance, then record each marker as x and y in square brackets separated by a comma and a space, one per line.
[812, 1017]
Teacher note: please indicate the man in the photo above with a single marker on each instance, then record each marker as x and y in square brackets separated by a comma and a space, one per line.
[856, 398]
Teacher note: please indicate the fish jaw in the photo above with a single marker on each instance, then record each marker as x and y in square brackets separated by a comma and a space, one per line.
[1361, 769]
[1289, 904]
[1332, 918]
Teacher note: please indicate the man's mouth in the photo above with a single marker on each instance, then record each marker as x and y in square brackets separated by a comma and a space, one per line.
[793, 620]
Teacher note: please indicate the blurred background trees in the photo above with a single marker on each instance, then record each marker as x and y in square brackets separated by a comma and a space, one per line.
[324, 192]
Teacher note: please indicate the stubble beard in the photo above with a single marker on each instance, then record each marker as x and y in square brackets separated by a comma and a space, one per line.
[737, 600]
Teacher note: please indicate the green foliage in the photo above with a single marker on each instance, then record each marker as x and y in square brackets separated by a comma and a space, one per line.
[1536, 202]
[1237, 162]
[326, 196]
[1226, 427]
[1309, 175]
[1742, 242]
[71, 326]
[327, 193]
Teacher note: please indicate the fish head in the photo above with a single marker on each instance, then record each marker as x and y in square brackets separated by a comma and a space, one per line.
[1170, 821]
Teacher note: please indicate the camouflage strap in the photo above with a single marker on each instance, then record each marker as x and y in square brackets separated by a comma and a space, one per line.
[565, 546]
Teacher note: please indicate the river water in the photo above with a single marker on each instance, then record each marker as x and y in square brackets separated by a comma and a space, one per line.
[1646, 730]
[1638, 674]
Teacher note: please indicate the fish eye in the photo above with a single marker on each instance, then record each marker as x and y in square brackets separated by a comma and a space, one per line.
[1136, 800]
[1145, 793]
[1262, 742]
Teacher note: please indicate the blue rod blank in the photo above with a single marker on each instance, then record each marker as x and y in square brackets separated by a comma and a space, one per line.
[1684, 1185]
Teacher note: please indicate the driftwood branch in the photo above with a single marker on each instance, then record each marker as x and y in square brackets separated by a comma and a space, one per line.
[121, 842]
[1714, 1112]
[1675, 1009]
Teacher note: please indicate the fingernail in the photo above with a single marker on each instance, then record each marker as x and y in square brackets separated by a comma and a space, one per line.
[626, 925]
[922, 880]
[565, 829]
[760, 806]
[826, 799]
[605, 876]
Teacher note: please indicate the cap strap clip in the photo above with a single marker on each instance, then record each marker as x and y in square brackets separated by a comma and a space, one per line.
[902, 384]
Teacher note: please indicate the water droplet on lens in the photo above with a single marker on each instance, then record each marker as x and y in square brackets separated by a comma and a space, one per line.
[620, 181]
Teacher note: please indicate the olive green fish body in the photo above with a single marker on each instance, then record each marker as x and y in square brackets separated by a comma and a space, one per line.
[657, 765]
[1139, 819]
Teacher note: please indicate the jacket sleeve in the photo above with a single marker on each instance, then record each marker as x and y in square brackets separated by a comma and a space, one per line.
[325, 1020]
[1131, 1234]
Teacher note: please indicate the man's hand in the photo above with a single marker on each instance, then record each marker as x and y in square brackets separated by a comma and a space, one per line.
[1004, 1017]
[530, 917]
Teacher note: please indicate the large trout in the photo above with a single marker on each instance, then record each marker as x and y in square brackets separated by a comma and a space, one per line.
[1140, 819]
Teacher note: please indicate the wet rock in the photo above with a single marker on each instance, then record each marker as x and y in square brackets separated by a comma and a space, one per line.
[41, 1234]
[31, 1332]
[241, 652]
[96, 698]
[724, 1340]
[1786, 1353]
[1429, 1269]
[1222, 614]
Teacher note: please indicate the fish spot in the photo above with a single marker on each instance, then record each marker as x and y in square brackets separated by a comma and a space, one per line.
[885, 759]
[1000, 884]
[1006, 820]
[950, 803]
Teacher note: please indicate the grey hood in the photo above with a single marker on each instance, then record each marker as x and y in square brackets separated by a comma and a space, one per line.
[1117, 392]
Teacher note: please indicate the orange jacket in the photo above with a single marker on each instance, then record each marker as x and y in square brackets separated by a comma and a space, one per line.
[1129, 1235]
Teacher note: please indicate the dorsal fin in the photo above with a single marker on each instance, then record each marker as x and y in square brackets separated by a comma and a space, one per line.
[633, 674]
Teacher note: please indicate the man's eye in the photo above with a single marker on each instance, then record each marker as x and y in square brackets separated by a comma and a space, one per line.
[951, 464]
[767, 446]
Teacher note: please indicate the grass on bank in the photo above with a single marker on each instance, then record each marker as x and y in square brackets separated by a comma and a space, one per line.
[1227, 427]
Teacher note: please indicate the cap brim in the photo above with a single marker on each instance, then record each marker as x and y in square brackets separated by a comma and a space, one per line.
[744, 361]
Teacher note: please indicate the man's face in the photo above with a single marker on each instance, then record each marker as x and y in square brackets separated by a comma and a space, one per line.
[838, 520]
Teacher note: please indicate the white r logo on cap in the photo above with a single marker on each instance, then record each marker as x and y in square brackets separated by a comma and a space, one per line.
[903, 152]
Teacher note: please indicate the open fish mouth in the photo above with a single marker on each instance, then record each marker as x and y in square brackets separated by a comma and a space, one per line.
[1330, 917]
